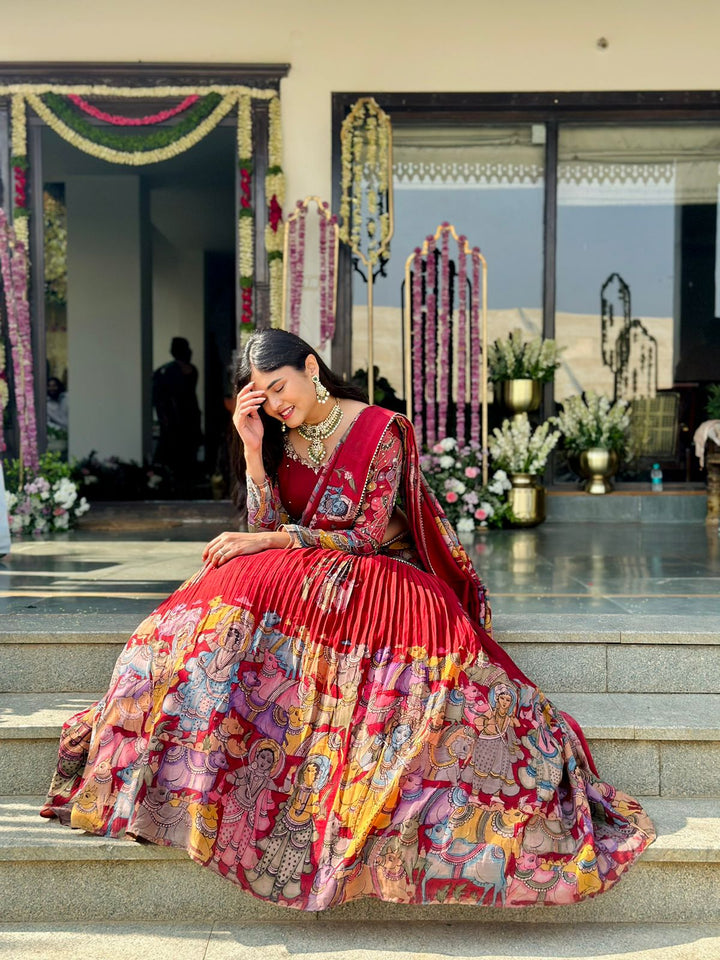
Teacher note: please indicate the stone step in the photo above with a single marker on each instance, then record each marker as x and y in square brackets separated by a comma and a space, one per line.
[115, 940]
[644, 744]
[591, 654]
[48, 871]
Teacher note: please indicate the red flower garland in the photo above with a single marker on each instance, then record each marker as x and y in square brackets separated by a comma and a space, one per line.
[462, 340]
[444, 330]
[120, 121]
[431, 327]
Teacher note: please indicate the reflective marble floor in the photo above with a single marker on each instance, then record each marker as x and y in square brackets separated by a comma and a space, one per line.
[638, 569]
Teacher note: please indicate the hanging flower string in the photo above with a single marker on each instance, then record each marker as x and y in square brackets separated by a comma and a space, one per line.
[120, 121]
[475, 348]
[246, 215]
[431, 304]
[444, 331]
[328, 278]
[14, 268]
[296, 253]
[418, 336]
[19, 165]
[275, 197]
[462, 340]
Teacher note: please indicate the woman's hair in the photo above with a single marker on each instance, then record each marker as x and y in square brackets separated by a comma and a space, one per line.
[269, 350]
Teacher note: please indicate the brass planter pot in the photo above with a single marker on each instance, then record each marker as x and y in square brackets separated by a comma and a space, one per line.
[597, 465]
[521, 396]
[527, 499]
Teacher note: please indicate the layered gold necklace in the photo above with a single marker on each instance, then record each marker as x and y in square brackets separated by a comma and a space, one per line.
[316, 433]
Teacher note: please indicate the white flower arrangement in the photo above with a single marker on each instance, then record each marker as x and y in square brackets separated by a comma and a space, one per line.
[454, 474]
[46, 501]
[515, 447]
[594, 421]
[518, 359]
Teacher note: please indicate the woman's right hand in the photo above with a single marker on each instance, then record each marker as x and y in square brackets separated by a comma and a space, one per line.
[247, 419]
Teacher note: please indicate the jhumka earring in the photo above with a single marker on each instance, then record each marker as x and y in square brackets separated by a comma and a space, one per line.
[284, 427]
[321, 392]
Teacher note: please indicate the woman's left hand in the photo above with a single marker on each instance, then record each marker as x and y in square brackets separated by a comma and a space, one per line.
[228, 545]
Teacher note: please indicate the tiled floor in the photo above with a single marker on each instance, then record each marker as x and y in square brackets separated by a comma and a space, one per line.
[584, 568]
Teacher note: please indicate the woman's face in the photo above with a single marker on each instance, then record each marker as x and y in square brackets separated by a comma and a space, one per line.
[504, 702]
[290, 394]
[310, 774]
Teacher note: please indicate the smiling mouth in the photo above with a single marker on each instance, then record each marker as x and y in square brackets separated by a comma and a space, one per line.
[286, 412]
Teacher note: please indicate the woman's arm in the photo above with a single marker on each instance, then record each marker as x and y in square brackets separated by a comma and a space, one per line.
[368, 532]
[265, 510]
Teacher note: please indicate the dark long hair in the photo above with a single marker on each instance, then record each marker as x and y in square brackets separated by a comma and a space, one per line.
[269, 350]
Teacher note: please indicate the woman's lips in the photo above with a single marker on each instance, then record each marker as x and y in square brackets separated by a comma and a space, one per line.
[287, 412]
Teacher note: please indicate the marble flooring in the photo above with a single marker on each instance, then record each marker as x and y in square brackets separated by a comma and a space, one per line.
[593, 569]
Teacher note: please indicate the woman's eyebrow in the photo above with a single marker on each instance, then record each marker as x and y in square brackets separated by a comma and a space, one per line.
[273, 382]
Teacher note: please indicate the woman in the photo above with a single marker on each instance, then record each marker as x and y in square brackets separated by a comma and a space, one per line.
[326, 690]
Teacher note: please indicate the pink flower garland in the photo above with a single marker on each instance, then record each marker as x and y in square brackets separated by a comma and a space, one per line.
[444, 332]
[418, 336]
[119, 121]
[296, 266]
[327, 265]
[14, 266]
[475, 350]
[327, 279]
[462, 341]
[431, 329]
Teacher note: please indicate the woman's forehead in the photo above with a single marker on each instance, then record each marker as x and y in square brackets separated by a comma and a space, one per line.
[263, 379]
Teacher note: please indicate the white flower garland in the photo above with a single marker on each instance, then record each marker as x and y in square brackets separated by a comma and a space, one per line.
[140, 157]
[18, 137]
[30, 93]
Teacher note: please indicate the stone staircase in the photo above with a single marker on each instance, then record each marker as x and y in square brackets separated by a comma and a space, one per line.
[644, 689]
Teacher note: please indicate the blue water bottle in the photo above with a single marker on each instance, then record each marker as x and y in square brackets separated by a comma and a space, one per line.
[656, 478]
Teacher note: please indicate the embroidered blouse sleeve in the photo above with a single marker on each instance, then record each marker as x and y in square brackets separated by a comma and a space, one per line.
[264, 507]
[367, 533]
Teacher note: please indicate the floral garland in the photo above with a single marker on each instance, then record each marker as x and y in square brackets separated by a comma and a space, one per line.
[246, 214]
[14, 267]
[275, 197]
[19, 165]
[366, 160]
[120, 121]
[295, 241]
[137, 149]
[206, 107]
[55, 248]
[431, 335]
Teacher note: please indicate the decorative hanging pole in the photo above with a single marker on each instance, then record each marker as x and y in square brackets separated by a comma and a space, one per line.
[294, 268]
[366, 205]
[439, 322]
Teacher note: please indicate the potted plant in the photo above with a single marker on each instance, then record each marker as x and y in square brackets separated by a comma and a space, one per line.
[595, 436]
[521, 367]
[454, 473]
[523, 452]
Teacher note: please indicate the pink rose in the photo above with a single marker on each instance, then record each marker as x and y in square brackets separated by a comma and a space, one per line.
[480, 514]
[471, 472]
[438, 448]
[451, 496]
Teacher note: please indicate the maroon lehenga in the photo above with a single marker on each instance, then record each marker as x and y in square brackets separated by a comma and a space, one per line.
[334, 720]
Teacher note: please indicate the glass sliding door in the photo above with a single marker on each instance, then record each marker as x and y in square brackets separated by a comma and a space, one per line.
[488, 181]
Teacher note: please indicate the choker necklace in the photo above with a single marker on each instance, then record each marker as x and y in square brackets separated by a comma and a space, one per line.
[315, 433]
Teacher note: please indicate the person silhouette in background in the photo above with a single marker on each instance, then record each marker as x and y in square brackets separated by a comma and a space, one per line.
[175, 400]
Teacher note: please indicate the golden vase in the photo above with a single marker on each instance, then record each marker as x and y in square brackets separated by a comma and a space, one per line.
[597, 465]
[527, 499]
[521, 396]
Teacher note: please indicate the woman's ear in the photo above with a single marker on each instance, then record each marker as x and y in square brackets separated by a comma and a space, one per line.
[311, 365]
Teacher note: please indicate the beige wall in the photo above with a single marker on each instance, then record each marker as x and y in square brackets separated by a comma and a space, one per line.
[380, 45]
